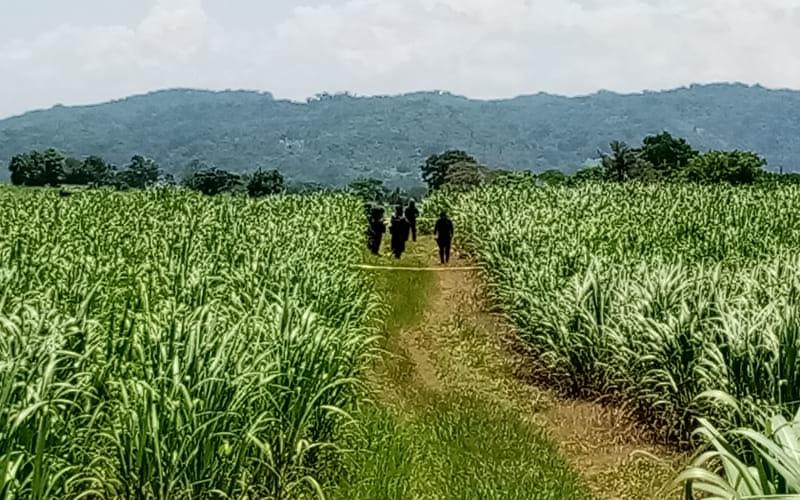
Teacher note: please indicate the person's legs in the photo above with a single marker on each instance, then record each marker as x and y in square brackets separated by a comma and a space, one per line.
[441, 252]
[447, 252]
[414, 231]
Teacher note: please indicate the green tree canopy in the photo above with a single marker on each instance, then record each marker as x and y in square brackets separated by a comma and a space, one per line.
[369, 189]
[140, 173]
[37, 169]
[733, 167]
[468, 174]
[212, 181]
[436, 167]
[25, 169]
[264, 183]
[666, 154]
[622, 164]
[91, 171]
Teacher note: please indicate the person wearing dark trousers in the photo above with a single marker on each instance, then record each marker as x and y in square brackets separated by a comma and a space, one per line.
[376, 230]
[444, 237]
[412, 212]
[399, 231]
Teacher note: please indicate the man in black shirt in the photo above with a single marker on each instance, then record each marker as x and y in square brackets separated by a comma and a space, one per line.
[412, 212]
[399, 231]
[444, 237]
[376, 230]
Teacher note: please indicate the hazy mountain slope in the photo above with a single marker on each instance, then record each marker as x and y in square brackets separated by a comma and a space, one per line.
[337, 138]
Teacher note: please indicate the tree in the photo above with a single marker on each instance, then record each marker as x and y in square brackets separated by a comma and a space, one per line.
[91, 171]
[368, 189]
[53, 167]
[622, 164]
[37, 169]
[666, 154]
[25, 169]
[212, 181]
[140, 173]
[465, 175]
[436, 167]
[264, 183]
[72, 169]
[733, 167]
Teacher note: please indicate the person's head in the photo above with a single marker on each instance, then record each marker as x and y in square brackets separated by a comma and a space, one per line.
[411, 203]
[443, 215]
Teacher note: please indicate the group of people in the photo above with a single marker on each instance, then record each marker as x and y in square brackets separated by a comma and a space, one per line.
[404, 225]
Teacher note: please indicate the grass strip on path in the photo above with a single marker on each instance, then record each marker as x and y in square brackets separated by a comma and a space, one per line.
[429, 438]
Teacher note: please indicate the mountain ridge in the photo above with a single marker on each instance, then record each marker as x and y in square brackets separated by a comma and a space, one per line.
[334, 138]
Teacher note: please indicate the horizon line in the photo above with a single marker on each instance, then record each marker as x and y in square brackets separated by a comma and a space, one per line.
[442, 92]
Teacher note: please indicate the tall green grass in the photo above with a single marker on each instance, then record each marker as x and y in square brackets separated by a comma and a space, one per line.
[164, 345]
[422, 443]
[680, 300]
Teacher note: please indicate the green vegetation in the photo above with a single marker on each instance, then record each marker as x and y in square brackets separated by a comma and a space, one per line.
[438, 168]
[161, 344]
[421, 443]
[661, 158]
[336, 139]
[680, 300]
[749, 463]
[665, 158]
[51, 168]
[265, 183]
[457, 447]
[213, 181]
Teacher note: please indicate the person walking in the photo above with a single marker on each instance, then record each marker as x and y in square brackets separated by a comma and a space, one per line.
[412, 213]
[399, 231]
[444, 237]
[375, 230]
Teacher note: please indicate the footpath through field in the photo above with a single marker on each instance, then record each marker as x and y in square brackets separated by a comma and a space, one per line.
[463, 421]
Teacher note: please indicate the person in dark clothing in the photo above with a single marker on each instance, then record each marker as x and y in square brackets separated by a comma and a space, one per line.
[375, 230]
[412, 212]
[444, 237]
[399, 230]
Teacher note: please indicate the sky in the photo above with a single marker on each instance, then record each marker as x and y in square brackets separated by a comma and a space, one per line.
[86, 51]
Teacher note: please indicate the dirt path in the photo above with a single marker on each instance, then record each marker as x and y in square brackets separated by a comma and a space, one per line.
[459, 347]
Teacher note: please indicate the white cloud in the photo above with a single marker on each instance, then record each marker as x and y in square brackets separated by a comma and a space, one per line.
[477, 47]
[99, 62]
[508, 47]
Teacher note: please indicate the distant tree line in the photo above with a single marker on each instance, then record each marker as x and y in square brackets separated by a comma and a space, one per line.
[660, 158]
[663, 157]
[374, 191]
[51, 168]
[213, 181]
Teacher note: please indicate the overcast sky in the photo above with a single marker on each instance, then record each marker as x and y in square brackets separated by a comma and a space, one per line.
[84, 51]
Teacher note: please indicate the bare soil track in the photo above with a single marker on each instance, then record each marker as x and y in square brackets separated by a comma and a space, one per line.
[458, 345]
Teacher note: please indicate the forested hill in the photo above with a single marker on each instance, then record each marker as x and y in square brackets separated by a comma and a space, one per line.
[333, 139]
